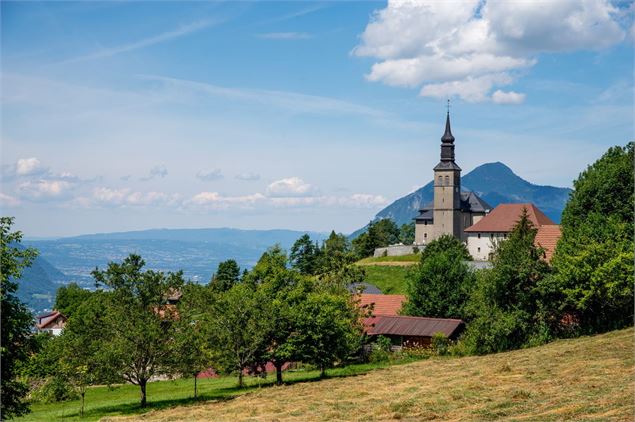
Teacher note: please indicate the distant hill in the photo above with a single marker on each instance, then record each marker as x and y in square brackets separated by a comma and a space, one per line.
[495, 183]
[38, 284]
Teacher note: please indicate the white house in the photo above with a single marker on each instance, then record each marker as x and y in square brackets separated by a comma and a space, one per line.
[496, 226]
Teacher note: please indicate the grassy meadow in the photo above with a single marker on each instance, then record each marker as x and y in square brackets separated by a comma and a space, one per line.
[589, 378]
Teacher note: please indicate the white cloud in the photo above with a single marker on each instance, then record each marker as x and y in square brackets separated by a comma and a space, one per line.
[25, 167]
[110, 197]
[216, 201]
[509, 97]
[8, 200]
[290, 187]
[208, 176]
[468, 48]
[285, 35]
[156, 171]
[44, 189]
[250, 177]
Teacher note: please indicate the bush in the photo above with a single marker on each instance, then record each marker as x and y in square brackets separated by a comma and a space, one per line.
[381, 350]
[54, 389]
[440, 344]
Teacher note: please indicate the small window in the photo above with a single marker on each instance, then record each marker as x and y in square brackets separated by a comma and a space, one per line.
[491, 235]
[479, 235]
[479, 250]
[504, 235]
[425, 235]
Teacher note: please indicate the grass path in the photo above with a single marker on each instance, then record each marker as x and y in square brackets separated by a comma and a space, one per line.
[589, 378]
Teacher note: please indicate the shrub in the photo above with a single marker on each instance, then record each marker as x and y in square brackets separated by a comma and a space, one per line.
[54, 389]
[440, 344]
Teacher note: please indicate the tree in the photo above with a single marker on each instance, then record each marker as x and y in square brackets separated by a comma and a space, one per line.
[139, 325]
[592, 287]
[505, 306]
[192, 351]
[69, 298]
[15, 318]
[440, 285]
[336, 252]
[304, 255]
[328, 328]
[447, 242]
[379, 234]
[238, 329]
[407, 233]
[84, 355]
[227, 274]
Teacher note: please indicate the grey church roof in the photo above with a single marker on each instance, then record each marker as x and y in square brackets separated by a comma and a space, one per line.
[470, 202]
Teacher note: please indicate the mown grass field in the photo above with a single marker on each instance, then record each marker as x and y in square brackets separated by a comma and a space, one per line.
[589, 378]
[390, 280]
[403, 260]
[124, 399]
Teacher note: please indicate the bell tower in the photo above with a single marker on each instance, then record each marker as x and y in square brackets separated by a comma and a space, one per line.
[447, 188]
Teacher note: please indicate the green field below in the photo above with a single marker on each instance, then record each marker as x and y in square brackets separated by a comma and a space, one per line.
[404, 258]
[589, 378]
[388, 279]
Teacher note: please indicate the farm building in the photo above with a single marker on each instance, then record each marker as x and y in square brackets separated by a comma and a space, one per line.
[404, 330]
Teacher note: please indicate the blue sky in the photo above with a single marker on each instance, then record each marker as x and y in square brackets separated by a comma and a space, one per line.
[303, 115]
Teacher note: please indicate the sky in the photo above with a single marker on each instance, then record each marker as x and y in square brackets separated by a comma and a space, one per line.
[124, 116]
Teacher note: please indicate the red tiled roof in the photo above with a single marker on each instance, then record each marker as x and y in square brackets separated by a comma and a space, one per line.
[504, 217]
[384, 304]
[414, 326]
[547, 238]
[47, 319]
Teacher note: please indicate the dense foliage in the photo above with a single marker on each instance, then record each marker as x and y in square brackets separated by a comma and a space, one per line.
[593, 284]
[227, 274]
[440, 285]
[378, 234]
[504, 307]
[16, 320]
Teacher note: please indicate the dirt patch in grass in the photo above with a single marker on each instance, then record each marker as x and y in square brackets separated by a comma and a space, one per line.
[584, 379]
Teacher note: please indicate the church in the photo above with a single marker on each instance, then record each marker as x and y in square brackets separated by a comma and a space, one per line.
[452, 210]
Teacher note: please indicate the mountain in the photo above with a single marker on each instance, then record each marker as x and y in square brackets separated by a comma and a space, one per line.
[495, 183]
[195, 251]
[38, 284]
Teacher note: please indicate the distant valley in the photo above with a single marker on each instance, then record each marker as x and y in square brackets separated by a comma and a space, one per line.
[196, 251]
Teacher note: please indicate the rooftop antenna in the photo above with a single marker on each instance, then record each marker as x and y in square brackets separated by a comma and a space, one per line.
[448, 106]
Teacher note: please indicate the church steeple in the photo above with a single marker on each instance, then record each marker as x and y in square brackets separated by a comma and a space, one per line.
[447, 142]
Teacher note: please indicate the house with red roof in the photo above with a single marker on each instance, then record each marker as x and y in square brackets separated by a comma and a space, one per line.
[51, 322]
[483, 236]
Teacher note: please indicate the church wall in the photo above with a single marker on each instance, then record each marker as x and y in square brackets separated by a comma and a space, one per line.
[423, 233]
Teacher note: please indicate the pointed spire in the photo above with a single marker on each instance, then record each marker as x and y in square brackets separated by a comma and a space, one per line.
[447, 136]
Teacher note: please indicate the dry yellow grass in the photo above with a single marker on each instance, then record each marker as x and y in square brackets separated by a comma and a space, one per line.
[584, 379]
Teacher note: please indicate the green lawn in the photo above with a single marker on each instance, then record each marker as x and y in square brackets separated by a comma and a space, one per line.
[403, 258]
[390, 280]
[124, 399]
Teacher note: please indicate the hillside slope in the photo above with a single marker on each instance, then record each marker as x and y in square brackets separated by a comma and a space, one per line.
[586, 378]
[494, 182]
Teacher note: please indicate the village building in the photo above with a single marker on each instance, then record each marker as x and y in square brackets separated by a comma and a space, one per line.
[483, 236]
[403, 331]
[452, 210]
[51, 322]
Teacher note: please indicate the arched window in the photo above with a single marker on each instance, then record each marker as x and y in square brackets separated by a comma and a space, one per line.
[440, 180]
[447, 180]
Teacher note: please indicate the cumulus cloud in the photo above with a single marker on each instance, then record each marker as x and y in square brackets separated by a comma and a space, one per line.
[156, 171]
[111, 197]
[8, 200]
[250, 177]
[509, 97]
[469, 48]
[208, 176]
[43, 189]
[25, 167]
[290, 187]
